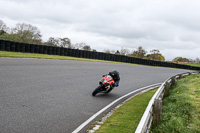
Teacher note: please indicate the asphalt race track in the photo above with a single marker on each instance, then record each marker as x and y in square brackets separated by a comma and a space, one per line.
[54, 96]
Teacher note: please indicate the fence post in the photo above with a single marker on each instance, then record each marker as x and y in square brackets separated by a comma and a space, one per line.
[167, 87]
[157, 109]
[173, 80]
[180, 76]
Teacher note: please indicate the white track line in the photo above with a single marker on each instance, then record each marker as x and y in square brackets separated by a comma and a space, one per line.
[109, 105]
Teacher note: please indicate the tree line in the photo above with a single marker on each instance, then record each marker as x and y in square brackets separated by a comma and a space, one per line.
[26, 33]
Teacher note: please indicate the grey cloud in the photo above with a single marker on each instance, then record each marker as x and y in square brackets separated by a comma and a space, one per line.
[148, 23]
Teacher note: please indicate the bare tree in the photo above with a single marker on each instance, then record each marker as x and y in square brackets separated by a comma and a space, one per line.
[197, 60]
[124, 51]
[52, 42]
[65, 42]
[79, 45]
[82, 46]
[3, 28]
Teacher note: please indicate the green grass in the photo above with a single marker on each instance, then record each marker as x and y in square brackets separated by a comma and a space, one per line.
[181, 110]
[127, 117]
[39, 56]
[192, 64]
[45, 56]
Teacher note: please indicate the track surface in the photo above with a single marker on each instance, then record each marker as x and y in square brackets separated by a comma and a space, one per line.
[38, 95]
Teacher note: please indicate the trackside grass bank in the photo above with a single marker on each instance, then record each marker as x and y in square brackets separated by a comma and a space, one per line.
[181, 110]
[192, 64]
[39, 56]
[126, 118]
[45, 56]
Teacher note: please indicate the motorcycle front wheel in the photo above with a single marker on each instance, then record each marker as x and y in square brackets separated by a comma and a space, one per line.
[97, 90]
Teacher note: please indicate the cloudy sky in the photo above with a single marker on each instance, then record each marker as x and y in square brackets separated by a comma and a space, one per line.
[172, 26]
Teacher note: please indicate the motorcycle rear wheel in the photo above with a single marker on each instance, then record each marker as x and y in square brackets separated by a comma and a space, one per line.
[97, 90]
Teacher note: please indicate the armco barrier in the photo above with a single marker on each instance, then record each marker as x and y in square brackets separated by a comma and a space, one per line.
[44, 49]
[152, 113]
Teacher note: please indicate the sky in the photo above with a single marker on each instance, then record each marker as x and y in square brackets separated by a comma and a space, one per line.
[171, 26]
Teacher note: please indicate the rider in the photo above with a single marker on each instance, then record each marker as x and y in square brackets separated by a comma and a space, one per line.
[115, 75]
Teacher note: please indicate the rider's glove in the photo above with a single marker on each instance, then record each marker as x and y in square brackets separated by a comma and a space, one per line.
[115, 85]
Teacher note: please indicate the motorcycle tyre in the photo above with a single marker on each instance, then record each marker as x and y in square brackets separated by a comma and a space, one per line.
[97, 90]
[109, 90]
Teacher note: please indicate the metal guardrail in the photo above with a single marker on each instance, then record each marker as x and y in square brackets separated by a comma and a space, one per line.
[152, 113]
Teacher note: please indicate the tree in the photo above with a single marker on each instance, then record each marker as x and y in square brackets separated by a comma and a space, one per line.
[139, 53]
[155, 55]
[124, 51]
[87, 48]
[117, 52]
[27, 33]
[3, 27]
[82, 46]
[65, 42]
[51, 42]
[10, 37]
[94, 50]
[107, 51]
[180, 59]
[78, 45]
[62, 42]
[2, 32]
[197, 60]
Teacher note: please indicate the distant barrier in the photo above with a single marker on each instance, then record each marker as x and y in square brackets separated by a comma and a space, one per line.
[44, 49]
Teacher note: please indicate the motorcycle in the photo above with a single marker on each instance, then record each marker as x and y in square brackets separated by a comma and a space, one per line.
[105, 85]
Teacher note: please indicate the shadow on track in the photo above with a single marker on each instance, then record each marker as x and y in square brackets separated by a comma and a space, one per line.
[105, 95]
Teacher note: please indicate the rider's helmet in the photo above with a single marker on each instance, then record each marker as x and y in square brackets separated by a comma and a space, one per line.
[114, 74]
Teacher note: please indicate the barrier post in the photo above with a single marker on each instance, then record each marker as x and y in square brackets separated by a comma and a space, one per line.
[180, 76]
[173, 80]
[167, 87]
[157, 110]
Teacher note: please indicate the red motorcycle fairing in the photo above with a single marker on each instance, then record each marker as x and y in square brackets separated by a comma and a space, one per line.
[106, 81]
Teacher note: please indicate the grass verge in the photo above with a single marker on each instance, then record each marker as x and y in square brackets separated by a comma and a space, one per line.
[192, 64]
[126, 118]
[45, 56]
[181, 110]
